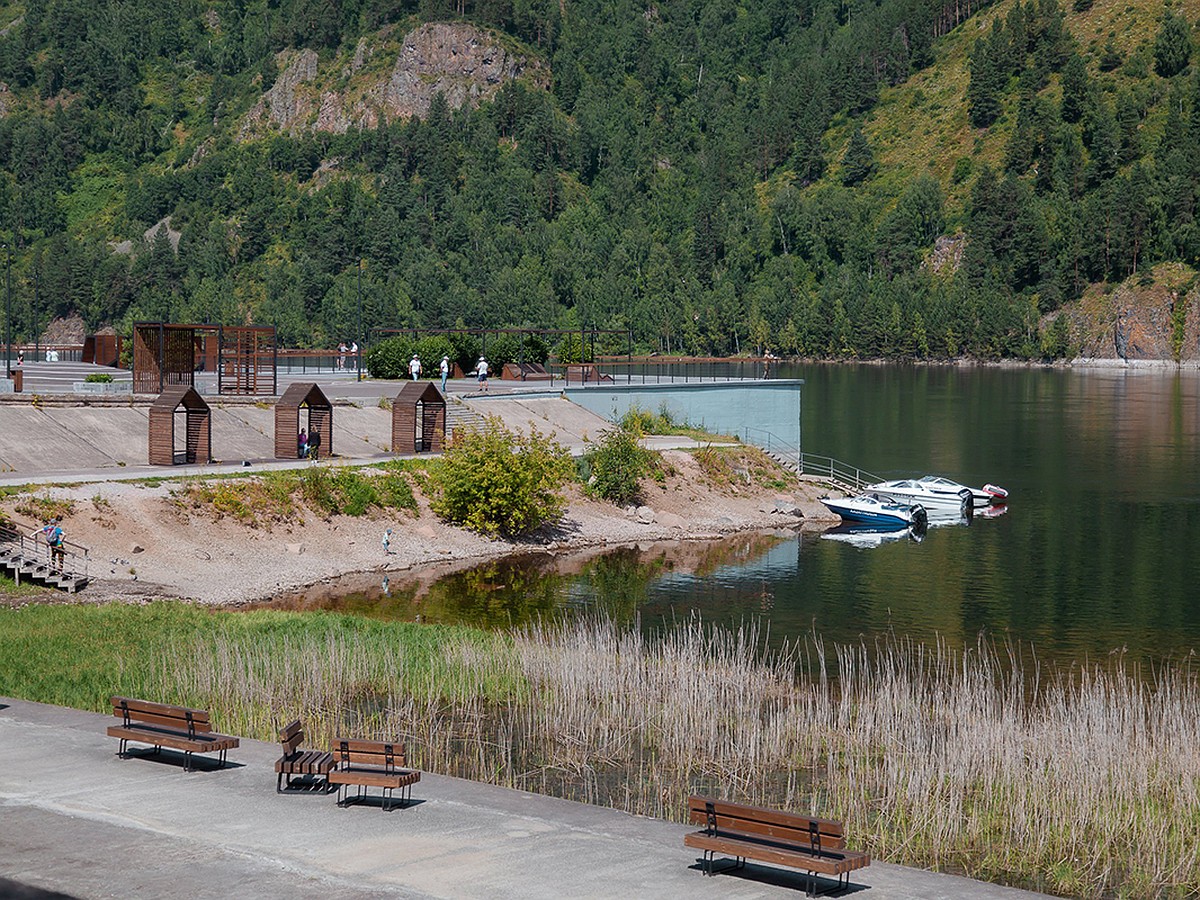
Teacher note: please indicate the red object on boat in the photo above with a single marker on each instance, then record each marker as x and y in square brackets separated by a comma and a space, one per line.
[997, 492]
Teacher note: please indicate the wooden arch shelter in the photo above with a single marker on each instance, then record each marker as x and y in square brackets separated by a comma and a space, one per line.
[197, 443]
[418, 419]
[287, 419]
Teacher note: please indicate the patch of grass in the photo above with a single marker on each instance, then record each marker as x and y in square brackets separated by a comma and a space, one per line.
[280, 496]
[43, 507]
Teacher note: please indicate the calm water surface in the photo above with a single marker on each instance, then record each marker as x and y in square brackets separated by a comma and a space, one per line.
[1097, 550]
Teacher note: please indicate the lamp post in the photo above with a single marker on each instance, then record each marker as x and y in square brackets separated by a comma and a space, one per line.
[8, 311]
[360, 331]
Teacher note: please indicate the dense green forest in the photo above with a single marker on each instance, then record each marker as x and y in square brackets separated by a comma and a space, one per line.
[708, 174]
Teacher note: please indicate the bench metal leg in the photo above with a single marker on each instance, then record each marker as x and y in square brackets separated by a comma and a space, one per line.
[842, 883]
[710, 857]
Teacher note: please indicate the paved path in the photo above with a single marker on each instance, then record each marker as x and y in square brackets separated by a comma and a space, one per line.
[77, 820]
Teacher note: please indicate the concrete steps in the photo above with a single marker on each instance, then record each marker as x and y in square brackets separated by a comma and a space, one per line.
[461, 416]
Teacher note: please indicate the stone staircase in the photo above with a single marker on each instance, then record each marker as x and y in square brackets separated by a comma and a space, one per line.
[460, 415]
[22, 556]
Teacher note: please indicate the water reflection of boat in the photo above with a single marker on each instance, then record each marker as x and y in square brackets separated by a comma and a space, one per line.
[870, 509]
[866, 536]
[991, 512]
[936, 517]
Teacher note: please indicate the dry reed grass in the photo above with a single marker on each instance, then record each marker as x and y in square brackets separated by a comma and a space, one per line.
[1083, 783]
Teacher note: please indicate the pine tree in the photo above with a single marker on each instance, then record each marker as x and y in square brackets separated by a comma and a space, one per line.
[1074, 88]
[987, 79]
[859, 160]
[1172, 46]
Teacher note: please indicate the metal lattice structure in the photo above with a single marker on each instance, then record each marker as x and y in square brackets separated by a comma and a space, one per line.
[246, 360]
[167, 355]
[164, 356]
[419, 419]
[197, 443]
[301, 396]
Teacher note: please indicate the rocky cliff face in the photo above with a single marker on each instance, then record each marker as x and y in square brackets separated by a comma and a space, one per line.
[1157, 318]
[465, 64]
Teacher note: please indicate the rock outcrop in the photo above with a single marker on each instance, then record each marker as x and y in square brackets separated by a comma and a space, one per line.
[1156, 318]
[465, 64]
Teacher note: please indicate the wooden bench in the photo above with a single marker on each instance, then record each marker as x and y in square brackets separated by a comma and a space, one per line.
[813, 845]
[371, 764]
[303, 770]
[161, 725]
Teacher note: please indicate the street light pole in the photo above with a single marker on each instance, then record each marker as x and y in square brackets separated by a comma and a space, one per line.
[8, 312]
[360, 331]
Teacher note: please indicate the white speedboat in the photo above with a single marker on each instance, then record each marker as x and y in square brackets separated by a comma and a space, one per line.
[989, 493]
[873, 509]
[910, 490]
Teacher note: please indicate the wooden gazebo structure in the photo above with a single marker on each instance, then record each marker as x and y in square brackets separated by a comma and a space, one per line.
[418, 418]
[298, 396]
[197, 442]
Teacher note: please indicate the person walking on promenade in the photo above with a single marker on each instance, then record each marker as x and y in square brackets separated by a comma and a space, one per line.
[342, 355]
[314, 444]
[302, 443]
[481, 371]
[444, 368]
[414, 367]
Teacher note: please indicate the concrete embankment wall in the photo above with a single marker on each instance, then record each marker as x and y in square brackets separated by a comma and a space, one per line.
[68, 437]
[45, 439]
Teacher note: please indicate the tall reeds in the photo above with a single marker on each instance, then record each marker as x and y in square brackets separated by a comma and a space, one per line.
[1083, 781]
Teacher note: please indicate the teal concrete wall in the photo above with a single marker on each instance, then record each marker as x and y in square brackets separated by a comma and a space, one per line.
[765, 413]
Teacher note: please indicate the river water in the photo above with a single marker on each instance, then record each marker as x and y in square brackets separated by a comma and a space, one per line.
[1097, 551]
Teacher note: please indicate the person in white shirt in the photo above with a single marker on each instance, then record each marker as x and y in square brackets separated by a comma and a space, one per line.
[444, 368]
[414, 367]
[481, 370]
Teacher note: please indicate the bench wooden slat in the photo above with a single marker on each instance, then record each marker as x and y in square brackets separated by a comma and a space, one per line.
[150, 708]
[177, 719]
[826, 863]
[375, 777]
[372, 753]
[767, 822]
[201, 743]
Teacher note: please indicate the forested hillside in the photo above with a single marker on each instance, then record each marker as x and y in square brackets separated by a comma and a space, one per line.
[910, 177]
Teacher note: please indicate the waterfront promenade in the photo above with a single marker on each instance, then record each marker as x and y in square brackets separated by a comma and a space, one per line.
[77, 821]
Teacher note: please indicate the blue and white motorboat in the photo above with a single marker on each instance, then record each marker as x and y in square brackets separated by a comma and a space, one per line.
[911, 490]
[873, 509]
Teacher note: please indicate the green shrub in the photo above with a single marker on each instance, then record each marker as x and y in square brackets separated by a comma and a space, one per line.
[99, 378]
[646, 422]
[617, 465]
[389, 358]
[500, 483]
[466, 350]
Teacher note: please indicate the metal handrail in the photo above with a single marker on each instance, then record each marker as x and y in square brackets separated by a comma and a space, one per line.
[811, 463]
[33, 546]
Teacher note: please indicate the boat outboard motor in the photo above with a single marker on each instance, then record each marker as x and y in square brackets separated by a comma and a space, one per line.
[920, 519]
[968, 505]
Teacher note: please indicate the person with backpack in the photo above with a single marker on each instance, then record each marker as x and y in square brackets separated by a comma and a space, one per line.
[53, 534]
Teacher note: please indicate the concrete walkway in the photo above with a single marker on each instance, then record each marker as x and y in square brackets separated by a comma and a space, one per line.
[76, 820]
